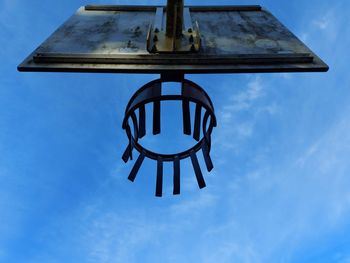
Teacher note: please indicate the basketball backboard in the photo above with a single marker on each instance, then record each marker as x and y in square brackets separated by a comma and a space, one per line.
[234, 39]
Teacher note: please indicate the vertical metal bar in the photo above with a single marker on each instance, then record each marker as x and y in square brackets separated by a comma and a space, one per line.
[179, 18]
[135, 124]
[174, 18]
[170, 23]
[176, 190]
[159, 184]
[206, 155]
[142, 121]
[197, 170]
[174, 37]
[186, 116]
[156, 117]
[197, 122]
[127, 153]
[136, 167]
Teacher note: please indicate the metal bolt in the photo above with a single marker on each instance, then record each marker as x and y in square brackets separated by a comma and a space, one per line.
[193, 48]
[154, 49]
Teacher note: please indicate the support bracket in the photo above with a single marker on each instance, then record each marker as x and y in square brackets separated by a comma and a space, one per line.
[159, 40]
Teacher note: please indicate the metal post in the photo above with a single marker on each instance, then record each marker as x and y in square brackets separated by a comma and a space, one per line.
[174, 18]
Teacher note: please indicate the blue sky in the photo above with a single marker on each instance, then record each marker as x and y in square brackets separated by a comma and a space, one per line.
[280, 190]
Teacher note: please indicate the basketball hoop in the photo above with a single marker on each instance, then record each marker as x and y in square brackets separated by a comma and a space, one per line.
[172, 41]
[152, 93]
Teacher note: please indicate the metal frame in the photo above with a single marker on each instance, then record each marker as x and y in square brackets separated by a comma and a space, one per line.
[171, 41]
[138, 8]
[200, 66]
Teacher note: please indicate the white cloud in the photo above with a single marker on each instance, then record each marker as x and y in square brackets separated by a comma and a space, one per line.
[272, 209]
[111, 237]
[123, 236]
[233, 128]
[328, 23]
[203, 200]
[245, 99]
[325, 21]
[285, 205]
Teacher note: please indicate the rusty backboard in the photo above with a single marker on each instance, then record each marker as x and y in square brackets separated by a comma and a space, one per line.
[234, 39]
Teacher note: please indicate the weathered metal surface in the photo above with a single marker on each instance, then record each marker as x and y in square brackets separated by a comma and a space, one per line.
[234, 39]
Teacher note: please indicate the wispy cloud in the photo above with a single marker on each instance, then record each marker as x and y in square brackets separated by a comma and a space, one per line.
[246, 98]
[273, 208]
[238, 116]
[112, 237]
[109, 236]
[288, 204]
[326, 20]
[196, 204]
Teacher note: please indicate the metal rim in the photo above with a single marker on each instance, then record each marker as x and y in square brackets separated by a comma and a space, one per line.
[152, 93]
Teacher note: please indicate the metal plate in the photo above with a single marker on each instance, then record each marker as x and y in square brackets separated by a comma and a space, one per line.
[234, 39]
